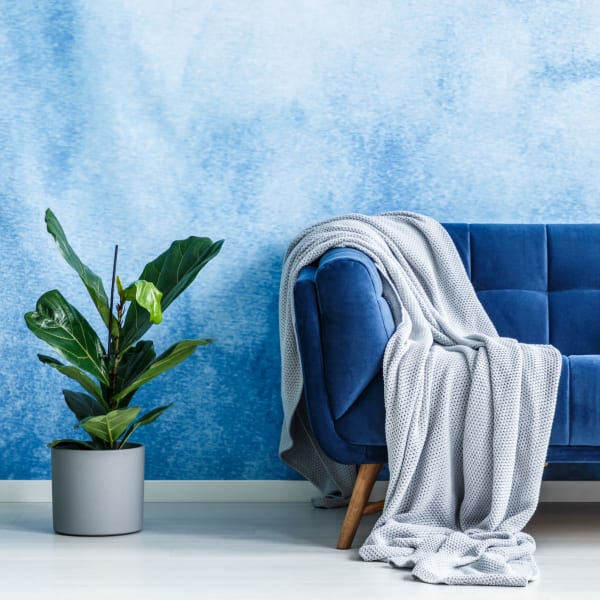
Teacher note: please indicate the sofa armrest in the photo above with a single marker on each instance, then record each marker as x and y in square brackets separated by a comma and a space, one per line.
[356, 324]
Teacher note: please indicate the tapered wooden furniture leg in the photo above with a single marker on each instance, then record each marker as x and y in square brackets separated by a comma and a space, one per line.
[359, 504]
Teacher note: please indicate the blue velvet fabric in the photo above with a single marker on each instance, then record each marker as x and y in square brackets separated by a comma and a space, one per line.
[573, 253]
[459, 232]
[538, 283]
[509, 257]
[585, 400]
[574, 321]
[520, 314]
[341, 438]
[561, 427]
[356, 324]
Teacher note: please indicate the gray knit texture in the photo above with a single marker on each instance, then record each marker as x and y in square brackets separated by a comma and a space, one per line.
[468, 414]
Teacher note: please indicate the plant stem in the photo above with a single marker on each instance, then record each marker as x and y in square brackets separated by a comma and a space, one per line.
[111, 339]
[112, 301]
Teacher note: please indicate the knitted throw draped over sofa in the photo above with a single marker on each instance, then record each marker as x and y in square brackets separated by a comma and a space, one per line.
[468, 414]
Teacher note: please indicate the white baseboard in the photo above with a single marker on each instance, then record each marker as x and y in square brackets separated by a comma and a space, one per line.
[265, 491]
[180, 491]
[570, 491]
[552, 491]
[229, 491]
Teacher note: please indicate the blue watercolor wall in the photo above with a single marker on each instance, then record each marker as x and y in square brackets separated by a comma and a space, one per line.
[142, 122]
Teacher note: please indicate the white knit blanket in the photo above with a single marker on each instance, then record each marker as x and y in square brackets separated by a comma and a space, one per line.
[468, 414]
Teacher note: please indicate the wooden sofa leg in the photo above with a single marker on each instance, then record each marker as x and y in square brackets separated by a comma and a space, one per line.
[359, 504]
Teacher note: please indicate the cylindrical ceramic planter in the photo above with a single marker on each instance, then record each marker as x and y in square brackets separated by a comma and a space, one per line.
[98, 492]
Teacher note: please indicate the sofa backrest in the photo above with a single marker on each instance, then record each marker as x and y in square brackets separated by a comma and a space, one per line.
[539, 284]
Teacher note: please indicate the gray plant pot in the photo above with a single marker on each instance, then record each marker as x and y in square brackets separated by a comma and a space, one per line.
[98, 492]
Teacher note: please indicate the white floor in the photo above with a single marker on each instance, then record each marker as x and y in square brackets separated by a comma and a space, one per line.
[260, 551]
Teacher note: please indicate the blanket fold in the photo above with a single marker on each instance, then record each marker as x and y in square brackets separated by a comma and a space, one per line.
[468, 414]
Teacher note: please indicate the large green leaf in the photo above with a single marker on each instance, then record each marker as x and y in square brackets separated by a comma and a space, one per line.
[82, 405]
[133, 362]
[171, 273]
[148, 296]
[61, 325]
[168, 359]
[112, 425]
[146, 419]
[80, 443]
[74, 373]
[92, 282]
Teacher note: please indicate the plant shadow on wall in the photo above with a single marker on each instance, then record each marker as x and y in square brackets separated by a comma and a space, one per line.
[110, 375]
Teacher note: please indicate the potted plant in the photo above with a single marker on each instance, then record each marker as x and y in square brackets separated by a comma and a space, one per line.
[97, 483]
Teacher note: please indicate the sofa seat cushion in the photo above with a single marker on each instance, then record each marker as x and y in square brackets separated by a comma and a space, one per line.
[561, 426]
[364, 421]
[585, 400]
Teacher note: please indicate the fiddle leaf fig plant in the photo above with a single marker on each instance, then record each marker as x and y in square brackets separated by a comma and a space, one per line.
[110, 375]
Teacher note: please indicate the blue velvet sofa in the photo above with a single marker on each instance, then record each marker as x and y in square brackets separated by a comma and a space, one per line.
[538, 283]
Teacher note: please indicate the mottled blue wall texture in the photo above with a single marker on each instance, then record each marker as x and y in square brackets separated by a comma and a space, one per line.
[139, 122]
